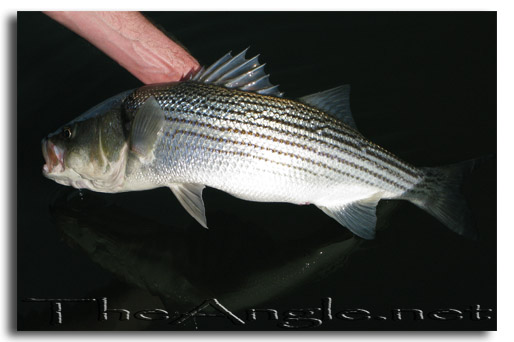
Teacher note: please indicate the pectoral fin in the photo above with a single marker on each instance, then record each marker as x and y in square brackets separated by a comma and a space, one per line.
[190, 196]
[359, 217]
[147, 123]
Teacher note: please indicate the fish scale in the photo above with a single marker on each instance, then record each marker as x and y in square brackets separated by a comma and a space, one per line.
[221, 128]
[229, 128]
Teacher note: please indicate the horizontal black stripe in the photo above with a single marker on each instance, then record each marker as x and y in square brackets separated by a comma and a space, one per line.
[305, 147]
[243, 154]
[217, 101]
[319, 164]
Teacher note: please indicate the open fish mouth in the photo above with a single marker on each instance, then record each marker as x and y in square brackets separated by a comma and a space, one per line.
[54, 157]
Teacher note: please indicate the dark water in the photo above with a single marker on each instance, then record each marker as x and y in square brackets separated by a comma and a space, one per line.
[423, 86]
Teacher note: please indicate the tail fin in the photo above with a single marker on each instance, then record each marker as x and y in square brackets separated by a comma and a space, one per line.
[440, 195]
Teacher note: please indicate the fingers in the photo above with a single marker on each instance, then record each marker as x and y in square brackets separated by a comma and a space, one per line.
[131, 40]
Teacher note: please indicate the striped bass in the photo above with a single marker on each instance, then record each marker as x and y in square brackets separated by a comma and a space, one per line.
[229, 128]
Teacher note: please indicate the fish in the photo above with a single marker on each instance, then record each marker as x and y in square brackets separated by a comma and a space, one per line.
[228, 127]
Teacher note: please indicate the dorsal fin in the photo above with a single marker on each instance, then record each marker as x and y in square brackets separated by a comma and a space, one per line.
[335, 101]
[238, 72]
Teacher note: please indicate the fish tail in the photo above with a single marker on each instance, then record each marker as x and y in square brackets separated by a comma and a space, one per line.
[440, 195]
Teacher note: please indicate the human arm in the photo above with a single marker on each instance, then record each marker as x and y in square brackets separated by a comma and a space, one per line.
[132, 41]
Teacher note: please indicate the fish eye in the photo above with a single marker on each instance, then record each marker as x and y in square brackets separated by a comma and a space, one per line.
[66, 133]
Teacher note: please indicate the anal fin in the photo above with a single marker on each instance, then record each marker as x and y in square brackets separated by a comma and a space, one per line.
[190, 196]
[359, 217]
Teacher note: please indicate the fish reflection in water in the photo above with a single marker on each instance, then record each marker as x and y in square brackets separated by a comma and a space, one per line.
[184, 267]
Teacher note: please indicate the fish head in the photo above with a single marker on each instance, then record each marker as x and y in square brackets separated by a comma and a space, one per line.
[90, 151]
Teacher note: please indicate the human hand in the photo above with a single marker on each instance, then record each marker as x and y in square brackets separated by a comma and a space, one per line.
[132, 41]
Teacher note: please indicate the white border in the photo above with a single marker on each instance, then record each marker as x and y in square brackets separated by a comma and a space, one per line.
[505, 130]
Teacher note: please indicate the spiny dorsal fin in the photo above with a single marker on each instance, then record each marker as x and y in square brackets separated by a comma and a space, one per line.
[238, 72]
[335, 101]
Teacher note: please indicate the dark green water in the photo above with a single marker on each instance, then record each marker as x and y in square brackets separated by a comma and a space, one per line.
[423, 86]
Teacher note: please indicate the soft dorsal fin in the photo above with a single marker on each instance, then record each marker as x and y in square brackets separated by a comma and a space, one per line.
[335, 101]
[238, 72]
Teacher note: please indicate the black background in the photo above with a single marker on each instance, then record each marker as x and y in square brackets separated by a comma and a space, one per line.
[423, 86]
